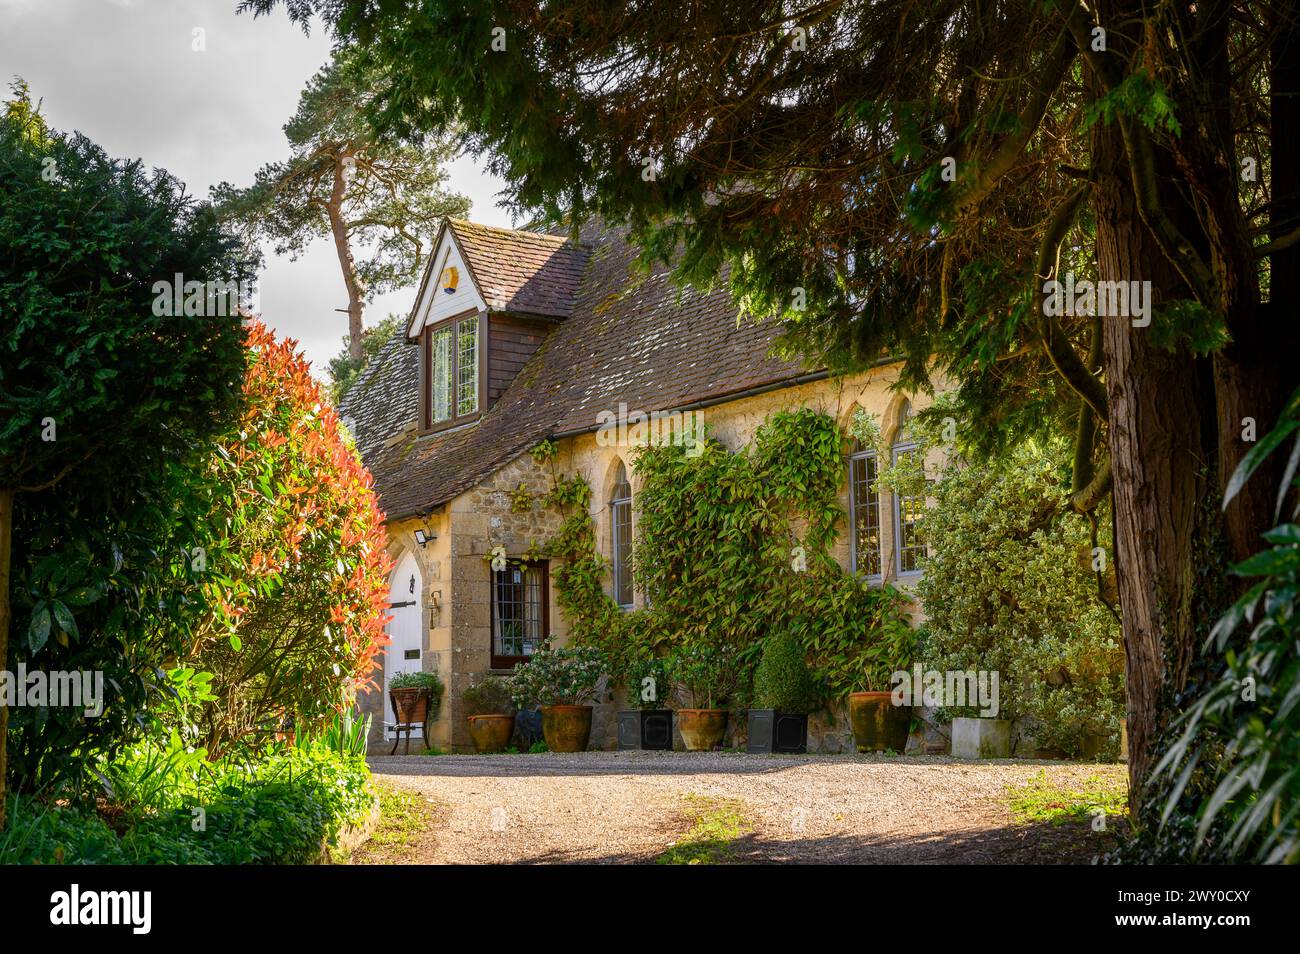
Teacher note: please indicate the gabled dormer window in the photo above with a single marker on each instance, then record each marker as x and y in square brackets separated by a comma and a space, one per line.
[452, 379]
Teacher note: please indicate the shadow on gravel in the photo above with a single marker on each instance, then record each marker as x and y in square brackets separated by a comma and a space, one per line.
[1072, 843]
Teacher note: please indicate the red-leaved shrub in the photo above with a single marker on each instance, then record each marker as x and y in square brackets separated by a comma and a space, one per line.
[297, 565]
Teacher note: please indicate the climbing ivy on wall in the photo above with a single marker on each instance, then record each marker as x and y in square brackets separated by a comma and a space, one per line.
[732, 547]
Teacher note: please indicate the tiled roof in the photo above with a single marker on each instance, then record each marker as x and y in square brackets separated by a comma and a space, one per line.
[528, 273]
[631, 337]
[385, 398]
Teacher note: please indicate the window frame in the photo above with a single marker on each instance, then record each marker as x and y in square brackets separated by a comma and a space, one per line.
[427, 424]
[864, 454]
[615, 551]
[498, 661]
[898, 449]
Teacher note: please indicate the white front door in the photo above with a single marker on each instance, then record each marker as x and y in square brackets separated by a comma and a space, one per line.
[403, 655]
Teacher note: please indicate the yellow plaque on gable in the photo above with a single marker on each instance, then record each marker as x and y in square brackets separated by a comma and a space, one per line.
[450, 279]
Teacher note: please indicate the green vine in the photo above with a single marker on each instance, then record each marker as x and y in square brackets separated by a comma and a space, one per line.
[732, 547]
[865, 427]
[521, 500]
[544, 451]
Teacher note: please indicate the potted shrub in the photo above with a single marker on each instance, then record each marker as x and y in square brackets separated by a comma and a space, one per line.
[706, 677]
[416, 698]
[878, 724]
[785, 692]
[649, 724]
[489, 710]
[563, 682]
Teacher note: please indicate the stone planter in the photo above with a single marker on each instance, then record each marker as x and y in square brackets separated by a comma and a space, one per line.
[878, 724]
[981, 738]
[773, 731]
[702, 729]
[648, 729]
[566, 728]
[491, 733]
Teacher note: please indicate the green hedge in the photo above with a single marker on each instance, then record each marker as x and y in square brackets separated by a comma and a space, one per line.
[280, 809]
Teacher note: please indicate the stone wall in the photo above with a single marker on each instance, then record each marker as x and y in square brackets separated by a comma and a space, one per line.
[734, 424]
[482, 519]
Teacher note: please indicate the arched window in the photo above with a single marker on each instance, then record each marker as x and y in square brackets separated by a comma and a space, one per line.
[909, 544]
[620, 523]
[864, 511]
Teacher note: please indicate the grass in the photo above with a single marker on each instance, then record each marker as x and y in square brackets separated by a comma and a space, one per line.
[716, 825]
[1038, 800]
[404, 817]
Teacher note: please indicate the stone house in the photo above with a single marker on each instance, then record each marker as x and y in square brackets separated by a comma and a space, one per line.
[519, 336]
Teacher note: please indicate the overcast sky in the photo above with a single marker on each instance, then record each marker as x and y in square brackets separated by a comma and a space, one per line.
[124, 73]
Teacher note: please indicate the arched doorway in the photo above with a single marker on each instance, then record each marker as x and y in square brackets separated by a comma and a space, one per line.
[406, 587]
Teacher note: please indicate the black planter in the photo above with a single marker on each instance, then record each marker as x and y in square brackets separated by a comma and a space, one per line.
[645, 729]
[772, 731]
[528, 728]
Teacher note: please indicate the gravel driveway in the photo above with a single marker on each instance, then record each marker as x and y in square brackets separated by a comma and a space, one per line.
[611, 807]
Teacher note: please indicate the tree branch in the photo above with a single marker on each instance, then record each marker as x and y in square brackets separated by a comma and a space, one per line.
[1142, 173]
[1278, 245]
[1059, 351]
[1087, 499]
[1009, 151]
[69, 468]
[1086, 431]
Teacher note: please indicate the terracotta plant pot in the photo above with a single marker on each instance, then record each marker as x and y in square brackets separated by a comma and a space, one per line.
[410, 705]
[702, 729]
[491, 733]
[878, 724]
[566, 728]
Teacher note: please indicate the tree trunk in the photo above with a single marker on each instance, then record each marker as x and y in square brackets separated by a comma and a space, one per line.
[1256, 372]
[343, 247]
[6, 541]
[1285, 192]
[1161, 409]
